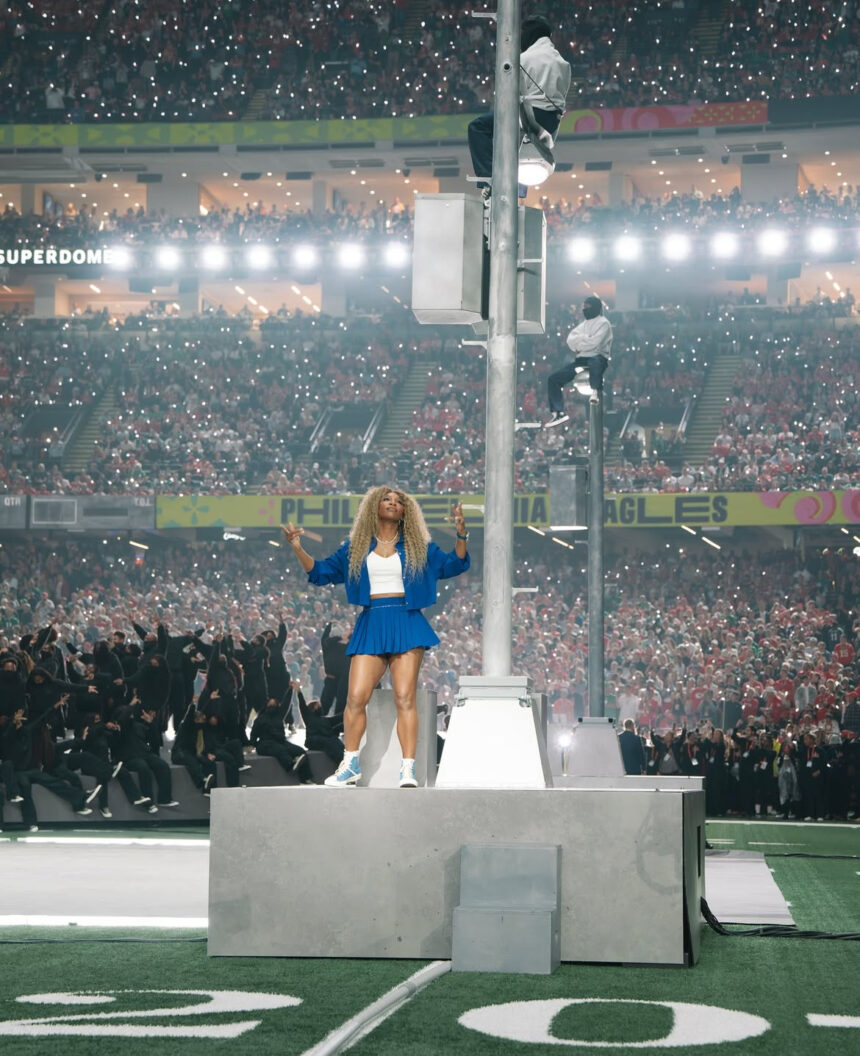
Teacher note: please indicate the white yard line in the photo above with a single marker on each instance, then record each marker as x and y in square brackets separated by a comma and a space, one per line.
[112, 841]
[36, 921]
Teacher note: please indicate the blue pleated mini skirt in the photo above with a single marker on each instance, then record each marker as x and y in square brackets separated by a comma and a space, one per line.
[386, 627]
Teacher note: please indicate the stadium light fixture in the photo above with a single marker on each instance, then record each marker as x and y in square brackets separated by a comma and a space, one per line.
[213, 258]
[396, 254]
[535, 165]
[821, 240]
[772, 242]
[725, 245]
[676, 246]
[581, 250]
[260, 257]
[350, 256]
[168, 258]
[305, 256]
[627, 248]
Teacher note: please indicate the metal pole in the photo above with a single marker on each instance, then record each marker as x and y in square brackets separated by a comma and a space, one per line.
[595, 554]
[502, 349]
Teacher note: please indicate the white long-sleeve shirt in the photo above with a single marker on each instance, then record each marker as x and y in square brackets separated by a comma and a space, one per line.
[593, 337]
[541, 63]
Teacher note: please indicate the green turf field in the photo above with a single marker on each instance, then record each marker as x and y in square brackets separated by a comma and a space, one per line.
[84, 992]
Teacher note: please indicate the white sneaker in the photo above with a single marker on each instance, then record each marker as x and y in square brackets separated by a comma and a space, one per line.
[106, 812]
[16, 799]
[407, 774]
[84, 811]
[557, 418]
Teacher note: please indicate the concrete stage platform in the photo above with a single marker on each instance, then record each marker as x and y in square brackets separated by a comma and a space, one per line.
[376, 871]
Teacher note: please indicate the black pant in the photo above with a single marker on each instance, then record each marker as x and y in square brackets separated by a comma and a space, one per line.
[9, 778]
[149, 767]
[92, 766]
[812, 790]
[595, 365]
[480, 134]
[198, 766]
[27, 778]
[128, 784]
[228, 752]
[284, 752]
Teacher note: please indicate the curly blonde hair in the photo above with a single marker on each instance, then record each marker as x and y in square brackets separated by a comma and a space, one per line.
[413, 531]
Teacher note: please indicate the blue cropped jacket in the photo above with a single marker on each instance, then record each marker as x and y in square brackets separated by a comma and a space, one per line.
[420, 589]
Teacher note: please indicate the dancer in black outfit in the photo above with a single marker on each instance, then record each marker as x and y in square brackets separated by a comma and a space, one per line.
[269, 737]
[188, 749]
[18, 740]
[277, 675]
[321, 733]
[336, 664]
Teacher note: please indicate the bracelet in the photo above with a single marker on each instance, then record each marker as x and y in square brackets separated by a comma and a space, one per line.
[463, 537]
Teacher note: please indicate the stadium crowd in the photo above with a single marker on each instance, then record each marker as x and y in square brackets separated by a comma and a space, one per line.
[759, 645]
[205, 405]
[210, 61]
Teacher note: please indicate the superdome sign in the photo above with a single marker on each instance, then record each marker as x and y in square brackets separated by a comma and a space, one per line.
[51, 256]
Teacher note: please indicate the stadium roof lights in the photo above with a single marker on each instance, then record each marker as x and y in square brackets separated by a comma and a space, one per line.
[676, 246]
[760, 248]
[724, 245]
[629, 248]
[772, 243]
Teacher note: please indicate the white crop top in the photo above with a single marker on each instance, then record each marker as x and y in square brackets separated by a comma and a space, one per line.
[386, 574]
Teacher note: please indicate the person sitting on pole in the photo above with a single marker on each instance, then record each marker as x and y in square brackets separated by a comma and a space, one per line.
[591, 343]
[544, 83]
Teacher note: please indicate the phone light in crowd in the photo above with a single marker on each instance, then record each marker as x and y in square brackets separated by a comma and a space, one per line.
[350, 256]
[259, 257]
[821, 240]
[121, 258]
[305, 256]
[676, 246]
[168, 258]
[581, 250]
[213, 258]
[772, 243]
[627, 248]
[725, 245]
[396, 254]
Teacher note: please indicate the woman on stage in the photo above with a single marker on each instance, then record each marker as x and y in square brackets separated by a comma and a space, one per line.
[390, 568]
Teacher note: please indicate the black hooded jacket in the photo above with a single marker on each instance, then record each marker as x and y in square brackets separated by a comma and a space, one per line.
[13, 685]
[151, 681]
